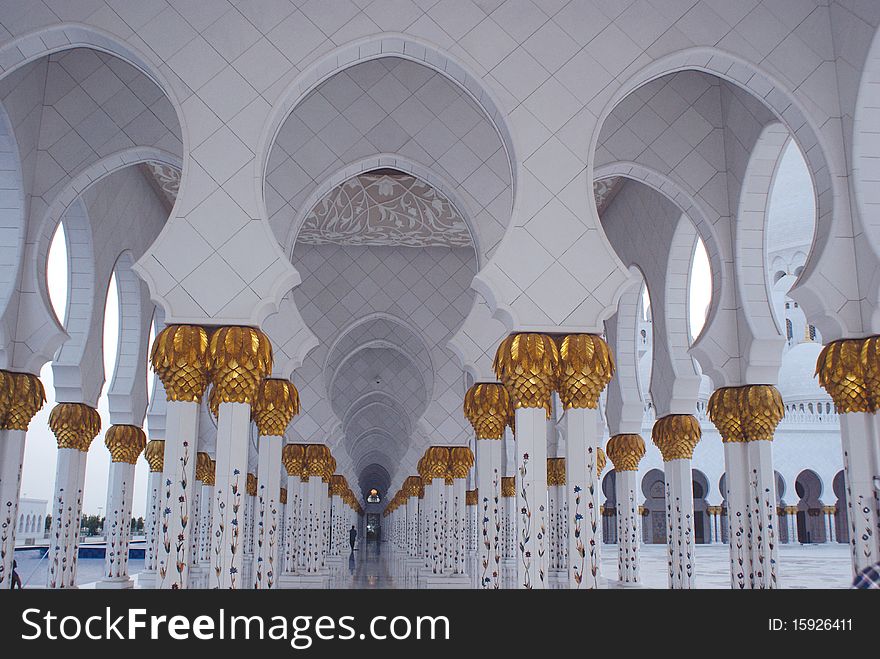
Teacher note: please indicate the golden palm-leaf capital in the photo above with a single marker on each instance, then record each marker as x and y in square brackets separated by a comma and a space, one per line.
[317, 460]
[555, 472]
[436, 462]
[841, 373]
[461, 459]
[251, 485]
[293, 458]
[21, 398]
[870, 359]
[275, 405]
[282, 496]
[725, 411]
[508, 486]
[470, 497]
[762, 410]
[155, 454]
[203, 466]
[676, 435]
[337, 485]
[487, 407]
[601, 461]
[412, 485]
[238, 360]
[586, 366]
[75, 425]
[180, 358]
[528, 366]
[329, 468]
[211, 475]
[626, 450]
[125, 443]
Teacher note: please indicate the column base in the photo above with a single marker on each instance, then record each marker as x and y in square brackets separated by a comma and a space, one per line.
[334, 561]
[120, 583]
[304, 581]
[557, 578]
[441, 581]
[147, 580]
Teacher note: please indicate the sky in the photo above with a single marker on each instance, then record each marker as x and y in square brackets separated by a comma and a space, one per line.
[38, 473]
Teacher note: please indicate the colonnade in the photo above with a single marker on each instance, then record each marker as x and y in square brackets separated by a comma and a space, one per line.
[211, 523]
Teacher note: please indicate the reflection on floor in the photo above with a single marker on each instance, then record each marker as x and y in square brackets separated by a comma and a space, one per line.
[807, 566]
[376, 565]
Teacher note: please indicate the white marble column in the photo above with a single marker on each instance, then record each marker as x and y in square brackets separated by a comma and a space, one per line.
[197, 575]
[736, 468]
[293, 457]
[239, 358]
[154, 454]
[582, 488]
[75, 425]
[490, 512]
[625, 450]
[24, 398]
[461, 459]
[859, 433]
[275, 405]
[180, 359]
[764, 519]
[206, 514]
[676, 435]
[125, 444]
[267, 513]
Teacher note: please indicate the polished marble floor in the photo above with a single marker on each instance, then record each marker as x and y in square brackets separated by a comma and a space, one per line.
[801, 566]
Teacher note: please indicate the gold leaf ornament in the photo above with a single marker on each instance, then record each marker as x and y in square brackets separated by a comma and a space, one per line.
[841, 372]
[676, 435]
[155, 454]
[528, 364]
[238, 360]
[125, 443]
[626, 450]
[586, 366]
[487, 407]
[179, 358]
[74, 425]
[275, 405]
[21, 396]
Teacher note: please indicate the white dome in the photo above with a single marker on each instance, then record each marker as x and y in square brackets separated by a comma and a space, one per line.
[797, 380]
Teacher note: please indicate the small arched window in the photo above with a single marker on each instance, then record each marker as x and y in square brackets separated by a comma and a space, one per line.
[57, 272]
[788, 329]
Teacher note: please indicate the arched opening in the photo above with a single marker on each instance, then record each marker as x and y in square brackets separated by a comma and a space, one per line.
[609, 518]
[654, 509]
[700, 486]
[841, 513]
[56, 273]
[699, 289]
[810, 515]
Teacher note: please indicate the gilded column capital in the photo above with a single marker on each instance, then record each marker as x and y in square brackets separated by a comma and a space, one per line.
[747, 413]
[762, 410]
[317, 460]
[211, 474]
[791, 510]
[154, 453]
[461, 459]
[555, 471]
[282, 496]
[329, 468]
[487, 407]
[75, 425]
[180, 359]
[725, 411]
[238, 360]
[586, 366]
[293, 457]
[841, 369]
[436, 462]
[125, 443]
[470, 497]
[601, 461]
[21, 396]
[338, 485]
[412, 485]
[626, 450]
[528, 366]
[251, 485]
[203, 467]
[275, 405]
[676, 435]
[508, 486]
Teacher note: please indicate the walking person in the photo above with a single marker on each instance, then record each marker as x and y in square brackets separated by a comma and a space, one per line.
[352, 536]
[16, 578]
